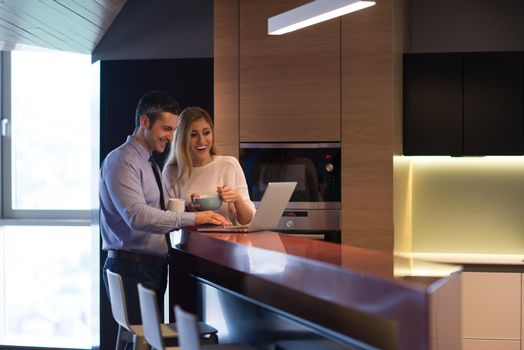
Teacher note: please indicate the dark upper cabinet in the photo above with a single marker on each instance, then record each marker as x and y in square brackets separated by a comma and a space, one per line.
[433, 104]
[493, 103]
[464, 104]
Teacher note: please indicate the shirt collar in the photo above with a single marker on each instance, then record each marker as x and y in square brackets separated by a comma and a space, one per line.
[138, 146]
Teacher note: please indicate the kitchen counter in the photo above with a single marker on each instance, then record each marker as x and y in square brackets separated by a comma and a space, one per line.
[345, 295]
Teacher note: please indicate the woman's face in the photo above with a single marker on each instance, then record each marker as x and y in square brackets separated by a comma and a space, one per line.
[200, 141]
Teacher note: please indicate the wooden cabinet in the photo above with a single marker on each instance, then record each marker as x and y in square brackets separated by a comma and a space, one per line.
[476, 344]
[226, 76]
[491, 310]
[289, 85]
[370, 114]
[464, 104]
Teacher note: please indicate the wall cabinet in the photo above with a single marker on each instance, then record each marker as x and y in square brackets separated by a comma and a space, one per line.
[491, 310]
[464, 103]
[493, 103]
[289, 84]
[433, 104]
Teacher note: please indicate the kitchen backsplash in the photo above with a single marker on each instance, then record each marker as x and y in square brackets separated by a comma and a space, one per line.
[459, 205]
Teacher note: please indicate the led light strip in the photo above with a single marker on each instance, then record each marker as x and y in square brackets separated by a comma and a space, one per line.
[313, 13]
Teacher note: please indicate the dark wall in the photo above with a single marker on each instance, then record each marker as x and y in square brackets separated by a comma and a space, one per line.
[189, 81]
[466, 25]
[122, 83]
[156, 29]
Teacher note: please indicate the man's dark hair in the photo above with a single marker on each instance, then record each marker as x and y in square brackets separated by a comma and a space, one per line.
[153, 104]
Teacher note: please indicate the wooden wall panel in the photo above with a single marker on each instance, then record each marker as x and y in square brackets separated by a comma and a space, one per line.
[401, 167]
[368, 127]
[338, 80]
[289, 84]
[226, 77]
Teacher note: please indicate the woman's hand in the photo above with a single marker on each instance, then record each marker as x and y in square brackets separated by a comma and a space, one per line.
[194, 206]
[243, 210]
[228, 194]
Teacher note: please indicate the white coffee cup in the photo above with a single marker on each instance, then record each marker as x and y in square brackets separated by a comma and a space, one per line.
[176, 205]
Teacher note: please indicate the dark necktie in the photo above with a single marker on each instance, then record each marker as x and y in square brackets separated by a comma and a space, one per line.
[156, 171]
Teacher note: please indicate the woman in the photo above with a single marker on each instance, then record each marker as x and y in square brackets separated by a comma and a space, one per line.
[193, 168]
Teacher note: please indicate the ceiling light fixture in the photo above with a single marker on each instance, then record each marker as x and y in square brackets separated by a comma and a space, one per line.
[313, 13]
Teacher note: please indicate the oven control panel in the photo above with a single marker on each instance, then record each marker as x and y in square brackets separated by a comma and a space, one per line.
[309, 220]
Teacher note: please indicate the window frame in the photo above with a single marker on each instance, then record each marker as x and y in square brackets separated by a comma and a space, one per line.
[9, 215]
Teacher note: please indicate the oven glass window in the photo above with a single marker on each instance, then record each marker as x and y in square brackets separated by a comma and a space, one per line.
[316, 171]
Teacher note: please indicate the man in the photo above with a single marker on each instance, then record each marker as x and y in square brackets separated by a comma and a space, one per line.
[132, 223]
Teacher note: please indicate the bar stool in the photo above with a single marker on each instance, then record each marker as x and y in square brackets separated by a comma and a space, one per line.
[188, 339]
[127, 332]
[151, 322]
[119, 310]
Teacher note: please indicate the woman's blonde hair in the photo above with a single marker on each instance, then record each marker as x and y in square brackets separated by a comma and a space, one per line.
[180, 154]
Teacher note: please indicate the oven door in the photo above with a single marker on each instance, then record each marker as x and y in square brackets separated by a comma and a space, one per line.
[314, 166]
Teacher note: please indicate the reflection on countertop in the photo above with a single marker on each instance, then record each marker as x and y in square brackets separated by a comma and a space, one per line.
[270, 251]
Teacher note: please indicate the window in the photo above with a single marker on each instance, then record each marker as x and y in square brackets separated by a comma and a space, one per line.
[46, 286]
[48, 250]
[47, 135]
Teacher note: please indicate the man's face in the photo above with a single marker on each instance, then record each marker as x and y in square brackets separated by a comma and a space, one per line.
[160, 133]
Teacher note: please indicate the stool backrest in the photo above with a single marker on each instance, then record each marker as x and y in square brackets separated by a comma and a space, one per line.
[150, 317]
[187, 327]
[118, 299]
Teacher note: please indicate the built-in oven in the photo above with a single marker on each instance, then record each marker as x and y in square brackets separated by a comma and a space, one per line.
[314, 208]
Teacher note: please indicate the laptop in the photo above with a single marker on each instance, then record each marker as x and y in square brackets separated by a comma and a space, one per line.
[269, 211]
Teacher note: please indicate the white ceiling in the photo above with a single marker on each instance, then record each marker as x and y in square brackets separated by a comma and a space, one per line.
[66, 25]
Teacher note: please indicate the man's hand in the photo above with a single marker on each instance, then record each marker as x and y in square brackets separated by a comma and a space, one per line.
[210, 217]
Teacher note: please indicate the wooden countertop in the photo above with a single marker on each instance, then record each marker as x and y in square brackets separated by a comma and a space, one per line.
[356, 284]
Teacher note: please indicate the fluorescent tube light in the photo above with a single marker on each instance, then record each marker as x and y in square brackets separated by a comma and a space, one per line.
[312, 13]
